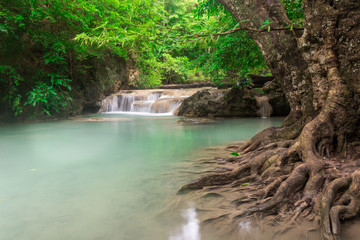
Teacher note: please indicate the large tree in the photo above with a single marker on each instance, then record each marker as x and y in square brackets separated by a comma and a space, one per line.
[310, 163]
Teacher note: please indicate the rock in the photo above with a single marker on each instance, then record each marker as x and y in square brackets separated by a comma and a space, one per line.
[234, 103]
[183, 86]
[202, 104]
[95, 119]
[195, 121]
[237, 102]
[240, 102]
[277, 99]
[259, 81]
[265, 108]
[103, 77]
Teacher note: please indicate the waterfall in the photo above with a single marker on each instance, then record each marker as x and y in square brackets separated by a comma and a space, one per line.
[144, 101]
[125, 103]
[154, 96]
[264, 105]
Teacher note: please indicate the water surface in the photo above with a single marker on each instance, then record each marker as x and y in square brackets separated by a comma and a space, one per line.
[97, 180]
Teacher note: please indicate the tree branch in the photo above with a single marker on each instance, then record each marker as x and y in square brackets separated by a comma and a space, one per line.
[238, 29]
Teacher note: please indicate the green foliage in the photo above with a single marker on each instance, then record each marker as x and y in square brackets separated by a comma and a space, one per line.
[209, 8]
[48, 39]
[220, 59]
[45, 98]
[48, 95]
[36, 37]
[231, 58]
[175, 70]
[228, 58]
[150, 73]
[129, 28]
[56, 54]
[10, 81]
[266, 24]
[294, 11]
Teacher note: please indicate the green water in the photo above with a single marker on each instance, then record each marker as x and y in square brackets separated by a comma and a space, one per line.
[78, 180]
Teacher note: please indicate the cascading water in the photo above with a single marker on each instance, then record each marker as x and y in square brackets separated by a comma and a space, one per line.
[264, 105]
[145, 101]
[125, 103]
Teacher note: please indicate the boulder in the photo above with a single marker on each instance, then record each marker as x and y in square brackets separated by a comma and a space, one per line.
[236, 102]
[277, 99]
[208, 103]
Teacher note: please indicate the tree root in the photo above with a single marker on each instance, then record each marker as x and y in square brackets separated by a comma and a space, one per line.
[330, 213]
[251, 165]
[284, 135]
[294, 183]
[291, 174]
[271, 189]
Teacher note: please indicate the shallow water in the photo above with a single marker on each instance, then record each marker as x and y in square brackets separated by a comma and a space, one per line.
[105, 180]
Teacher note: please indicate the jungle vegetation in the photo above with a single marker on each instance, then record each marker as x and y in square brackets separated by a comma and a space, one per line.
[308, 166]
[45, 46]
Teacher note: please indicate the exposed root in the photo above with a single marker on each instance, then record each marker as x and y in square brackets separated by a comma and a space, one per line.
[324, 147]
[272, 135]
[288, 178]
[251, 165]
[261, 139]
[294, 183]
[301, 206]
[271, 189]
[330, 214]
[244, 181]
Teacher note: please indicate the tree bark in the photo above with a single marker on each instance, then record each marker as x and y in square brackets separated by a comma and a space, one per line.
[280, 51]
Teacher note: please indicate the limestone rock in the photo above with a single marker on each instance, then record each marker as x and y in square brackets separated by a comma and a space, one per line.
[237, 102]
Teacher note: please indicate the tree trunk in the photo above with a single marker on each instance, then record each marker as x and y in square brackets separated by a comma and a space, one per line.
[311, 158]
[281, 53]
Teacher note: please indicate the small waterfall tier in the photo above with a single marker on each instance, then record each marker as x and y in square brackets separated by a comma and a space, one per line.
[265, 108]
[163, 102]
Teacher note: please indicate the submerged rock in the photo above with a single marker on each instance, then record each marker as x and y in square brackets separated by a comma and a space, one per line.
[95, 119]
[195, 121]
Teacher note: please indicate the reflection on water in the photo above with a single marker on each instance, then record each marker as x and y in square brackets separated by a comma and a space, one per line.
[105, 180]
[191, 229]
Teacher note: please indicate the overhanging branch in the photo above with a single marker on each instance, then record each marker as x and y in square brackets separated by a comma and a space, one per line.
[239, 29]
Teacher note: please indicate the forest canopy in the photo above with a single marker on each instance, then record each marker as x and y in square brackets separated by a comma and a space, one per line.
[45, 45]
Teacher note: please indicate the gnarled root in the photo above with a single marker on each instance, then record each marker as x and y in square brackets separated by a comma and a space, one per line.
[349, 204]
[251, 165]
[271, 135]
[289, 177]
[294, 183]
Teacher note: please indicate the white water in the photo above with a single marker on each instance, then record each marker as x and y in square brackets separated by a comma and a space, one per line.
[140, 113]
[144, 102]
[265, 110]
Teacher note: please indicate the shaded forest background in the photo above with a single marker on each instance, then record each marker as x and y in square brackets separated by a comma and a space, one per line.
[60, 57]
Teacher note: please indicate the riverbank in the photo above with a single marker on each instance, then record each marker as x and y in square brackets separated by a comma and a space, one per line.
[217, 206]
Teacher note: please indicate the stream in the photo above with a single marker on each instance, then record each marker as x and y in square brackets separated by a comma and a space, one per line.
[106, 177]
